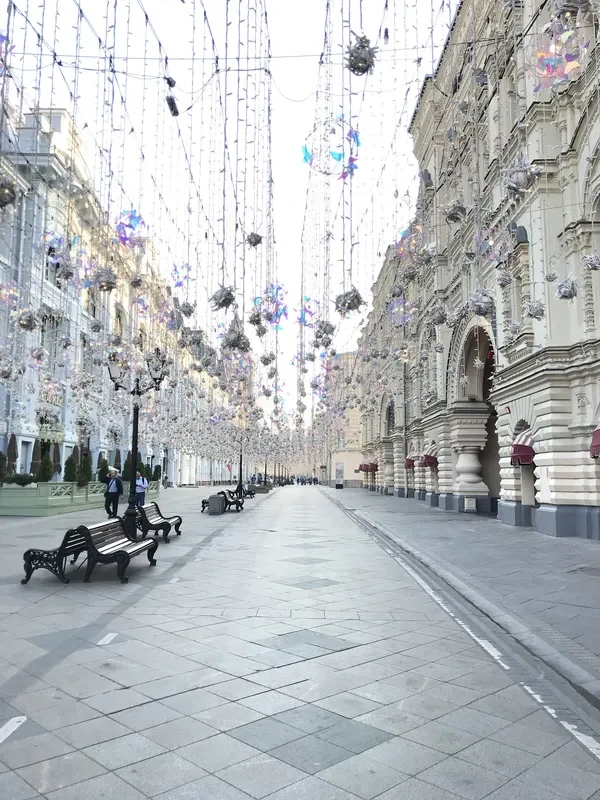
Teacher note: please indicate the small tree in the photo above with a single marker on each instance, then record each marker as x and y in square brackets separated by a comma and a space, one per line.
[127, 468]
[85, 470]
[103, 469]
[147, 473]
[45, 470]
[70, 470]
[3, 467]
[157, 472]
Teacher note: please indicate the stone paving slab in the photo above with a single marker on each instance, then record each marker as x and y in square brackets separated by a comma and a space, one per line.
[533, 583]
[234, 670]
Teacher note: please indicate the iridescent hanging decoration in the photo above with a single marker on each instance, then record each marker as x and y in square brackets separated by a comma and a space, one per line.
[332, 147]
[254, 239]
[187, 308]
[127, 228]
[8, 192]
[455, 212]
[181, 275]
[481, 303]
[27, 320]
[556, 54]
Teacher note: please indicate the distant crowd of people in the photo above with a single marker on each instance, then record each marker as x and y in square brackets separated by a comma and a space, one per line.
[302, 480]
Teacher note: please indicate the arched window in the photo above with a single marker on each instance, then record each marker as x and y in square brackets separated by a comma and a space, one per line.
[390, 419]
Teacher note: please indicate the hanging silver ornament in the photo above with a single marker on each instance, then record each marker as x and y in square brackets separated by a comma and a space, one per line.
[348, 301]
[8, 192]
[255, 318]
[37, 354]
[260, 331]
[96, 326]
[397, 290]
[566, 289]
[271, 373]
[478, 363]
[592, 261]
[310, 356]
[550, 276]
[360, 58]
[438, 315]
[410, 273]
[27, 320]
[503, 280]
[534, 309]
[455, 212]
[187, 308]
[254, 239]
[481, 303]
[136, 281]
[439, 347]
[566, 9]
[223, 298]
[514, 330]
[105, 279]
[520, 178]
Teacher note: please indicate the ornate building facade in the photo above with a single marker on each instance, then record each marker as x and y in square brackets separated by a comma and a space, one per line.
[55, 393]
[480, 360]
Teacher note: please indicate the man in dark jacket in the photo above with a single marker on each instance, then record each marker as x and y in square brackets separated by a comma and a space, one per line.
[114, 489]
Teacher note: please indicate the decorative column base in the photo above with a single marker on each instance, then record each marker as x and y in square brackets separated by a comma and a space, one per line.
[401, 492]
[446, 502]
[410, 493]
[579, 521]
[513, 512]
[432, 499]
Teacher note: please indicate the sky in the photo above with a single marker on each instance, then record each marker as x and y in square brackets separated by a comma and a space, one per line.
[179, 184]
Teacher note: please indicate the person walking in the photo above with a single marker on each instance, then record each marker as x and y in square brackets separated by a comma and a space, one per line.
[114, 489]
[141, 484]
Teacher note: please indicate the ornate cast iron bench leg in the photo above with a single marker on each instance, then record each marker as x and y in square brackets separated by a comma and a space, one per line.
[51, 560]
[151, 551]
[91, 565]
[122, 565]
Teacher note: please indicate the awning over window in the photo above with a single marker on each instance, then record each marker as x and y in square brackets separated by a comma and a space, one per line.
[409, 463]
[522, 451]
[595, 445]
[429, 457]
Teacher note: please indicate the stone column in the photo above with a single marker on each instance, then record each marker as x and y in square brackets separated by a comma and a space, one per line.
[420, 480]
[399, 472]
[387, 478]
[468, 440]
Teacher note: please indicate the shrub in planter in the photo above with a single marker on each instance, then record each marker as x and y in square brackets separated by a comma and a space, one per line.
[70, 474]
[103, 469]
[147, 473]
[85, 471]
[45, 470]
[3, 463]
[127, 468]
[21, 479]
[156, 475]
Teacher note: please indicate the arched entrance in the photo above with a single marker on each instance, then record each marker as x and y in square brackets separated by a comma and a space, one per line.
[477, 465]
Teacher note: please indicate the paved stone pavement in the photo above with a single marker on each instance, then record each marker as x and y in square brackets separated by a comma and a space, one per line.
[549, 586]
[278, 653]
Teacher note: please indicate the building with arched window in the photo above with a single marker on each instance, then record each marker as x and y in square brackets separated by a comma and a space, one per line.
[485, 327]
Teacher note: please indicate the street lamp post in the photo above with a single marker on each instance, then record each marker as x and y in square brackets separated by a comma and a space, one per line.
[156, 363]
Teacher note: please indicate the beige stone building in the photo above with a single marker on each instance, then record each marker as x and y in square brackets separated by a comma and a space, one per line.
[480, 360]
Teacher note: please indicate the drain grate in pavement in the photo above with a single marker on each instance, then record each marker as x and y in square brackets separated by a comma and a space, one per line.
[593, 572]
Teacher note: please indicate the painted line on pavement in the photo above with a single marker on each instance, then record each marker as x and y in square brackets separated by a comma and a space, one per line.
[174, 580]
[108, 638]
[10, 727]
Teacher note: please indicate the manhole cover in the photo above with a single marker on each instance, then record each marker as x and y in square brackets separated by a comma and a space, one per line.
[594, 572]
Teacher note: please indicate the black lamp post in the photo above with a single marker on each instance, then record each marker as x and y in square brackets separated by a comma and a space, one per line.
[239, 489]
[156, 363]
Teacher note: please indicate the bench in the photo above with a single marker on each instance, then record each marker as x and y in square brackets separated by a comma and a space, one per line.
[232, 500]
[150, 518]
[104, 543]
[249, 493]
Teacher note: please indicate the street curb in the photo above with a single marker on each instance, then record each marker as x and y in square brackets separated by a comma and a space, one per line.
[580, 679]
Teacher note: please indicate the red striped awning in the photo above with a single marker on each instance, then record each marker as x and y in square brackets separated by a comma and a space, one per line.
[429, 457]
[522, 450]
[595, 444]
[409, 463]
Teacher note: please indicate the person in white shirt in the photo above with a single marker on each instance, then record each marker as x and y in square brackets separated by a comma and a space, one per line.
[114, 489]
[141, 484]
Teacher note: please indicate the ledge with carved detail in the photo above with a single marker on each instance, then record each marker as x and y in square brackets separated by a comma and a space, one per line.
[47, 499]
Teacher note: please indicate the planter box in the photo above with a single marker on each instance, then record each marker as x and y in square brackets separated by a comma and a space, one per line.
[45, 499]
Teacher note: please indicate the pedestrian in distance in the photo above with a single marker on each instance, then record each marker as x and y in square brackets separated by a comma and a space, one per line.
[141, 484]
[114, 490]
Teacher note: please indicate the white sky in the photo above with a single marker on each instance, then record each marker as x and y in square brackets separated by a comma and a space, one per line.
[296, 32]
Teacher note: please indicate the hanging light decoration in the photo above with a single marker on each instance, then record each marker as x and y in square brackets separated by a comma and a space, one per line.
[223, 298]
[8, 193]
[348, 301]
[592, 261]
[455, 212]
[187, 308]
[254, 239]
[519, 178]
[557, 53]
[566, 289]
[534, 309]
[105, 279]
[360, 59]
[27, 320]
[481, 303]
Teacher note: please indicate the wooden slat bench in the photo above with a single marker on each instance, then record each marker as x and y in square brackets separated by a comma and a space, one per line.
[150, 519]
[104, 543]
[232, 499]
